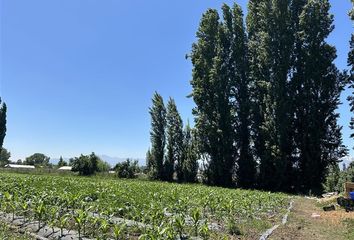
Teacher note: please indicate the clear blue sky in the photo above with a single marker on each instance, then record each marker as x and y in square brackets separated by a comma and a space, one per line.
[78, 75]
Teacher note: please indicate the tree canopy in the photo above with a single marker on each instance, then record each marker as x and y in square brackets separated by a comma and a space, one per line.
[38, 159]
[85, 164]
[273, 84]
[4, 157]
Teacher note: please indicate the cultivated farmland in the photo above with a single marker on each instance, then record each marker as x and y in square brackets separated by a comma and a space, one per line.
[131, 209]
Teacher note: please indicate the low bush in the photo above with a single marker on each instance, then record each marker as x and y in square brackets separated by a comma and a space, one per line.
[127, 169]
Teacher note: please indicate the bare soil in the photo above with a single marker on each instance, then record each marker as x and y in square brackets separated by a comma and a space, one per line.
[302, 225]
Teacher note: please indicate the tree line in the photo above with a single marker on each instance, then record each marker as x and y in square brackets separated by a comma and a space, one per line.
[266, 94]
[336, 177]
[173, 153]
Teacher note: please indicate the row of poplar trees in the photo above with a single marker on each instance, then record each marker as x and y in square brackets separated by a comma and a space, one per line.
[266, 94]
[173, 153]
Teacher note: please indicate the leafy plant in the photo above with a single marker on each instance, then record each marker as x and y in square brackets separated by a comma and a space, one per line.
[39, 211]
[180, 225]
[196, 218]
[118, 231]
[158, 210]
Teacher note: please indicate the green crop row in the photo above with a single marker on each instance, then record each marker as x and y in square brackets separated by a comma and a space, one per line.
[131, 209]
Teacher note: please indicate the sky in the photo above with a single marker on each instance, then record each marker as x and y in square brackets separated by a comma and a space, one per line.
[78, 75]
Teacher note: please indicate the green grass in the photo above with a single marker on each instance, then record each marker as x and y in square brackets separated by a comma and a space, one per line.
[159, 205]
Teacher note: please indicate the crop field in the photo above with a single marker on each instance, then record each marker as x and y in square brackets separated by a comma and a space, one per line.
[134, 209]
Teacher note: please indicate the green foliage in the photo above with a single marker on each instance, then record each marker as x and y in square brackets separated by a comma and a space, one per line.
[102, 166]
[37, 159]
[127, 169]
[181, 147]
[318, 85]
[275, 86]
[174, 134]
[212, 87]
[190, 157]
[157, 135]
[149, 160]
[332, 183]
[335, 178]
[163, 210]
[347, 175]
[62, 163]
[3, 110]
[85, 164]
[258, 24]
[240, 93]
[4, 157]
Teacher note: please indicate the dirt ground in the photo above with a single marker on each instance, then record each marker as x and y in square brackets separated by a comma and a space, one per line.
[7, 233]
[302, 225]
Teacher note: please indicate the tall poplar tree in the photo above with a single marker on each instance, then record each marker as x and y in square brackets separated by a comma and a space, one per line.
[270, 49]
[239, 97]
[190, 156]
[3, 110]
[274, 88]
[157, 136]
[174, 134]
[211, 93]
[259, 54]
[317, 84]
[281, 47]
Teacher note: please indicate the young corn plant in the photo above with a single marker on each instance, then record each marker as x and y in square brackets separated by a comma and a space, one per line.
[204, 231]
[79, 220]
[167, 232]
[180, 224]
[62, 223]
[10, 204]
[119, 231]
[94, 223]
[152, 234]
[24, 210]
[196, 216]
[39, 213]
[232, 227]
[52, 217]
[104, 228]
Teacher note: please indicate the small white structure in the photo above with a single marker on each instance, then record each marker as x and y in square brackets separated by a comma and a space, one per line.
[17, 166]
[65, 168]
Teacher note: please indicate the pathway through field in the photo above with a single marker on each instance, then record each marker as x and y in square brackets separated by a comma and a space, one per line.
[302, 225]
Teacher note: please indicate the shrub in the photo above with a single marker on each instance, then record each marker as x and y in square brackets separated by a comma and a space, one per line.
[85, 164]
[103, 166]
[335, 178]
[127, 169]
